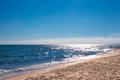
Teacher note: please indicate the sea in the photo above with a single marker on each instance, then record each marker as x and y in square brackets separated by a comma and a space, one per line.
[17, 59]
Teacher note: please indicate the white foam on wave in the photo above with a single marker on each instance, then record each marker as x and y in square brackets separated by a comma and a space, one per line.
[6, 73]
[78, 58]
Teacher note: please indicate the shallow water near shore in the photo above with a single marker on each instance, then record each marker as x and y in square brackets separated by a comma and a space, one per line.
[16, 59]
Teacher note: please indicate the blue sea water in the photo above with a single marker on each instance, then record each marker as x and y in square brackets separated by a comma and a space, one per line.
[19, 58]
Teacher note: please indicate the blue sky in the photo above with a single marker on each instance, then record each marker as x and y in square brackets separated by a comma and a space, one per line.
[23, 20]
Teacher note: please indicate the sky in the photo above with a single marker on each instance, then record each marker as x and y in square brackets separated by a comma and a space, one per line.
[59, 21]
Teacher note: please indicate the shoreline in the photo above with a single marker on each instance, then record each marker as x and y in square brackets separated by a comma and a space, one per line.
[50, 65]
[37, 73]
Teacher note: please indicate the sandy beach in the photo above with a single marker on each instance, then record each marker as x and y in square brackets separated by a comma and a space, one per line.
[104, 67]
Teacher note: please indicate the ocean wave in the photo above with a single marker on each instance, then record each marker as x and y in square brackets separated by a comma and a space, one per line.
[26, 58]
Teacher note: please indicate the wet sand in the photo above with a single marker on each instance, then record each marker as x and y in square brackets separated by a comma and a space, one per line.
[104, 67]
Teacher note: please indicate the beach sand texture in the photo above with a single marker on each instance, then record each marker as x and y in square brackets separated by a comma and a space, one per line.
[106, 67]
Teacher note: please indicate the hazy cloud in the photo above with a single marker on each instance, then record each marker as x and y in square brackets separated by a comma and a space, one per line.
[115, 35]
[82, 40]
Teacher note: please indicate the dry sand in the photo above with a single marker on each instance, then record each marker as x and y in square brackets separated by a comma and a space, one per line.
[105, 67]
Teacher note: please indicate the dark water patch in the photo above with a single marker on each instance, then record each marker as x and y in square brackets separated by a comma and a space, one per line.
[4, 50]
